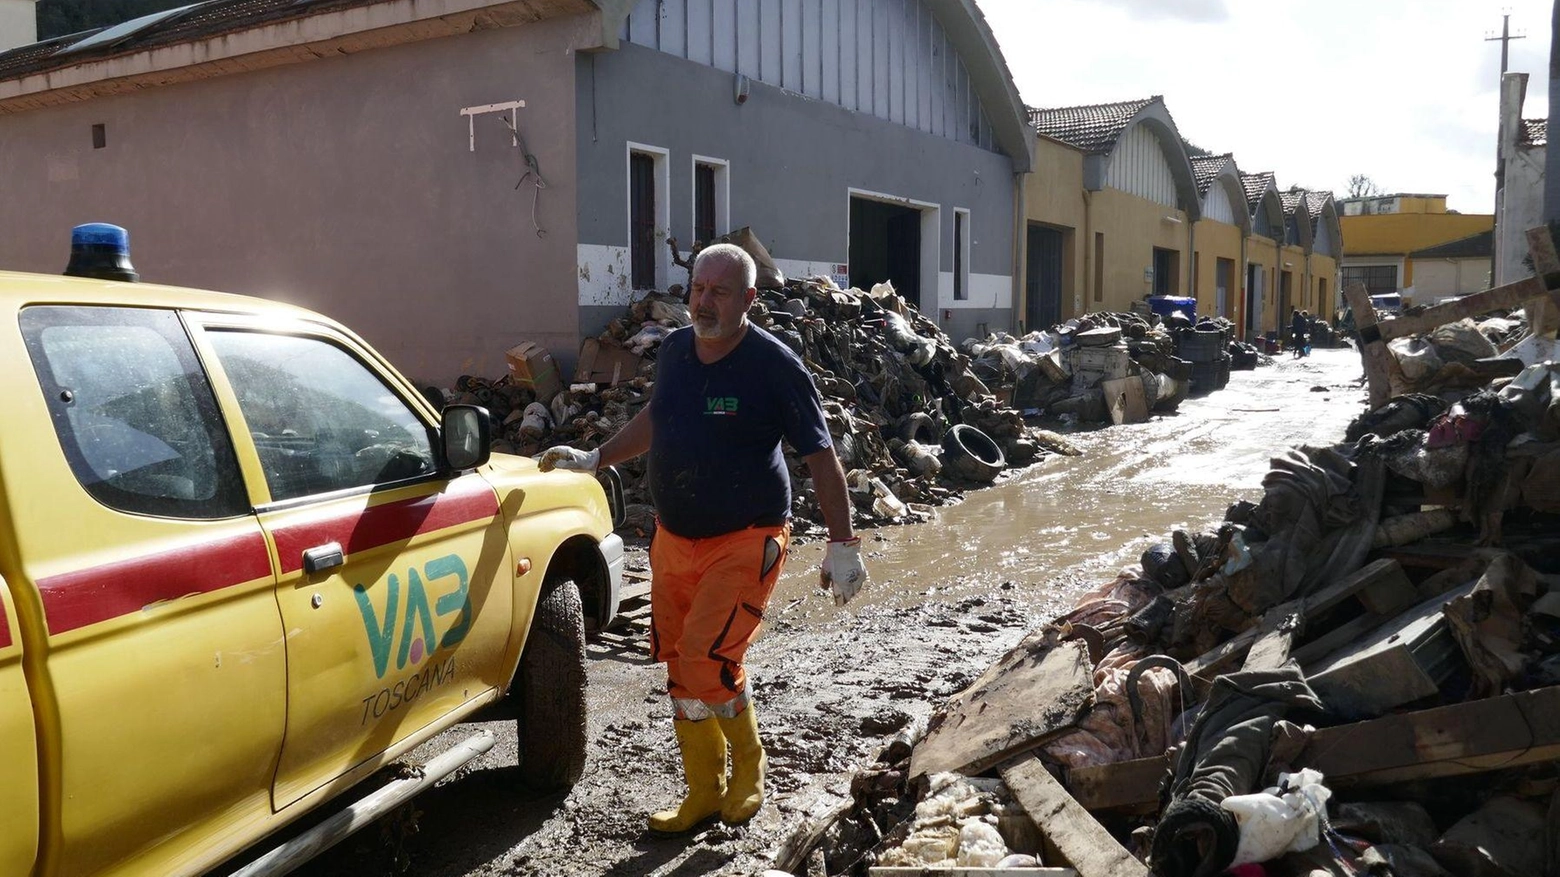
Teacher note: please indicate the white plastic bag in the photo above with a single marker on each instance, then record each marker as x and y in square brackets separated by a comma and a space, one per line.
[1283, 819]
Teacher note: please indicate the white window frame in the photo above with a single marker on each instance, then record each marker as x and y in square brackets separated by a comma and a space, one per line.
[722, 193]
[663, 207]
[961, 243]
[931, 241]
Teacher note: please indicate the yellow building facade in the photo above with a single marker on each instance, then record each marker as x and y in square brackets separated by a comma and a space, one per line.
[1382, 233]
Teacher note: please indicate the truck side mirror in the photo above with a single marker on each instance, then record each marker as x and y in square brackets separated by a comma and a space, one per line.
[467, 432]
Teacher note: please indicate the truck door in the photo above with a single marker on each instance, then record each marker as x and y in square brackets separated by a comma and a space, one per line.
[19, 767]
[164, 677]
[395, 580]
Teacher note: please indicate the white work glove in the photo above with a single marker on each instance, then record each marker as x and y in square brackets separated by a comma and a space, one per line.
[565, 457]
[843, 572]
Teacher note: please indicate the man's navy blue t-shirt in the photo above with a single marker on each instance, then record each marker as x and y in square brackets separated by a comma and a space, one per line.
[715, 461]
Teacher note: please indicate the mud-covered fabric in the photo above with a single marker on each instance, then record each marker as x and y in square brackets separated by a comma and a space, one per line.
[1226, 753]
[715, 464]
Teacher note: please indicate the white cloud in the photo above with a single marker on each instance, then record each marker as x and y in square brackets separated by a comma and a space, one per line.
[1313, 90]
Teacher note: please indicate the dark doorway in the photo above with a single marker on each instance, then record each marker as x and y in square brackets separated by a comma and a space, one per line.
[1286, 284]
[885, 244]
[1043, 281]
[1167, 270]
[1253, 296]
[641, 212]
[1223, 279]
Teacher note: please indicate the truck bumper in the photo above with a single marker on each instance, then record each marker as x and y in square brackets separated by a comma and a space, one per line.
[612, 556]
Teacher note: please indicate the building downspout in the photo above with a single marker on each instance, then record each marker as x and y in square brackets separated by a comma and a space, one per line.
[1240, 309]
[1191, 257]
[1081, 302]
[1020, 254]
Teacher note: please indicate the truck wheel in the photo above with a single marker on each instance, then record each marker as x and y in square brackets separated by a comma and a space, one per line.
[551, 684]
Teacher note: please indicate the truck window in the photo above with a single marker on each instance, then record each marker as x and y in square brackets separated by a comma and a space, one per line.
[133, 411]
[321, 420]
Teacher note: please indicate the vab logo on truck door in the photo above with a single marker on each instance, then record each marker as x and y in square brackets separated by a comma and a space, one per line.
[417, 638]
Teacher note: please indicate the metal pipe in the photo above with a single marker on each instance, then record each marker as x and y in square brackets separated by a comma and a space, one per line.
[294, 853]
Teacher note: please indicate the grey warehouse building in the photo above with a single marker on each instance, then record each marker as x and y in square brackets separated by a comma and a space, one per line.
[451, 177]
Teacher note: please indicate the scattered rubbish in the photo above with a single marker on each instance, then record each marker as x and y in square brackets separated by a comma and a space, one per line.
[1270, 697]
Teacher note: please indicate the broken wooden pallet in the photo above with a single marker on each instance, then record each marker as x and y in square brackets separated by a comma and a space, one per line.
[1456, 740]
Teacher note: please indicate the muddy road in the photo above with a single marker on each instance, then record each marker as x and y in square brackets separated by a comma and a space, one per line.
[946, 598]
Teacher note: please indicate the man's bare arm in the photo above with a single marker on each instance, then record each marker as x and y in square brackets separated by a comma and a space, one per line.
[829, 483]
[631, 441]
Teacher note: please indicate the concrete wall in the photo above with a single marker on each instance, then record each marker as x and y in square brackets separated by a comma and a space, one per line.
[1215, 241]
[347, 185]
[1054, 196]
[793, 164]
[1522, 208]
[18, 23]
[1133, 227]
[1437, 279]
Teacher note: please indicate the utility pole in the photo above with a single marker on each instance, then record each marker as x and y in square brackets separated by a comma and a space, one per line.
[1500, 145]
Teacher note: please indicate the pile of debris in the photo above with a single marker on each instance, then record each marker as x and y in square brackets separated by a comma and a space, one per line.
[1109, 367]
[912, 423]
[1358, 674]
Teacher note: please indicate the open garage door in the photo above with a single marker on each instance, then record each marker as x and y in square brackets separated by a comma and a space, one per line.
[885, 244]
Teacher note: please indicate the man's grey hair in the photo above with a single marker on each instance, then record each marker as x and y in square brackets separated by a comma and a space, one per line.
[729, 254]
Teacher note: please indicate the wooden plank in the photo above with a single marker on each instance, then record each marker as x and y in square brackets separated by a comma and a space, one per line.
[1271, 650]
[1385, 575]
[1456, 740]
[1508, 297]
[1077, 835]
[1036, 691]
[1543, 314]
[1373, 348]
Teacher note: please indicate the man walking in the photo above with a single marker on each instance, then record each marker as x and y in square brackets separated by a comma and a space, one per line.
[726, 393]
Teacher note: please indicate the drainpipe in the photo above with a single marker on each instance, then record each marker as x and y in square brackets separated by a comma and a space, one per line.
[1191, 257]
[1089, 268]
[1240, 310]
[1020, 297]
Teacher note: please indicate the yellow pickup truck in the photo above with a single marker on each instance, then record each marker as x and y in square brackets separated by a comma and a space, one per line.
[246, 564]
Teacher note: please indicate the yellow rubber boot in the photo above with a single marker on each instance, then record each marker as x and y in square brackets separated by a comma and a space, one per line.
[704, 768]
[745, 791]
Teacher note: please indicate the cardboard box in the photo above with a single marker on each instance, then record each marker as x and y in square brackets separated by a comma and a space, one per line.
[605, 365]
[532, 367]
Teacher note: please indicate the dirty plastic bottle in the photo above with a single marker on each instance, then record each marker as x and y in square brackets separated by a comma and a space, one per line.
[887, 504]
[100, 250]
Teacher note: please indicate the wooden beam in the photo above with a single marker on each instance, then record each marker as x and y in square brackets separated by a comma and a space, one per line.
[1543, 314]
[1271, 650]
[1077, 835]
[1373, 348]
[1457, 740]
[1501, 298]
[1383, 577]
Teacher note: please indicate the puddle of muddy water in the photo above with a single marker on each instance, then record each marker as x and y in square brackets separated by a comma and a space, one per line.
[1093, 513]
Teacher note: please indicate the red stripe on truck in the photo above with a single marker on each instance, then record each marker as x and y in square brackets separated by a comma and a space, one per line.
[76, 599]
[5, 628]
[466, 500]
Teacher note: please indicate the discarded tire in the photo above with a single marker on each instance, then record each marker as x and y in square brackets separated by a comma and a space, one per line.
[918, 427]
[971, 454]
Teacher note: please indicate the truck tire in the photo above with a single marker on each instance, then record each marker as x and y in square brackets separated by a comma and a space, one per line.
[551, 684]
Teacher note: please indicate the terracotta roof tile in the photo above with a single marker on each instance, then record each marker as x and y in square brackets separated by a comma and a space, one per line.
[1092, 128]
[1206, 167]
[1255, 184]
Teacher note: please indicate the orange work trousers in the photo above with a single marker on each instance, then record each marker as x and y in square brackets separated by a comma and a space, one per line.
[707, 598]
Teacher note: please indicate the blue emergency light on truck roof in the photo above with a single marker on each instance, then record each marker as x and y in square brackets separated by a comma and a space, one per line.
[102, 251]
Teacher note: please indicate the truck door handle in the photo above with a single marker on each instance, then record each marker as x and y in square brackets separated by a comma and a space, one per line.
[323, 557]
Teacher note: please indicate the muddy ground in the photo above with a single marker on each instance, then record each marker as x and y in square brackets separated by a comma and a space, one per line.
[946, 598]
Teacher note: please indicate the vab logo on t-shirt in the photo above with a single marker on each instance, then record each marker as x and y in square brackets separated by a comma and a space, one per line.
[720, 405]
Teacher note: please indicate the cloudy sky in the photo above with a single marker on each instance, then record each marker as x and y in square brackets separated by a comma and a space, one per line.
[1313, 90]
